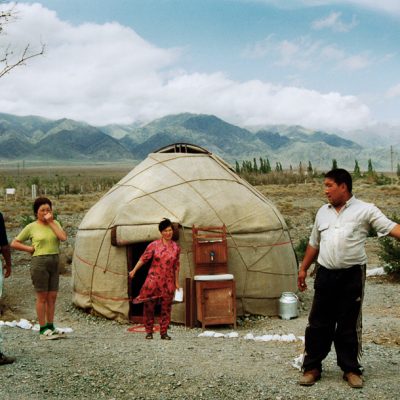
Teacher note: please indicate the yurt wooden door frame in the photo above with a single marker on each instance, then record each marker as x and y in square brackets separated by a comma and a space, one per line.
[133, 253]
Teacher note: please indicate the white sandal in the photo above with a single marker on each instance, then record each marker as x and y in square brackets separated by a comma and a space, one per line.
[48, 334]
[61, 334]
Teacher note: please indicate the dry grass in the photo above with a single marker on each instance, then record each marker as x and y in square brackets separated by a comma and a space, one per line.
[73, 189]
[298, 202]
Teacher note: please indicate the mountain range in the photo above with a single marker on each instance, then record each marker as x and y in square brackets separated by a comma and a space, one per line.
[37, 138]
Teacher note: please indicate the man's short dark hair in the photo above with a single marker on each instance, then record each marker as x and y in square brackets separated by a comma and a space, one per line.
[39, 202]
[339, 176]
[164, 224]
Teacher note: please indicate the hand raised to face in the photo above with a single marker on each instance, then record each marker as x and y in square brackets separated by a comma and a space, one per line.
[48, 217]
[45, 214]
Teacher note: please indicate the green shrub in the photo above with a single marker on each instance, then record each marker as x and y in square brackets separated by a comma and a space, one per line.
[389, 252]
[26, 220]
[275, 178]
[300, 248]
[390, 255]
[382, 180]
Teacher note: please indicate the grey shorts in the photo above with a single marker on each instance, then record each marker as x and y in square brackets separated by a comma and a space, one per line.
[44, 273]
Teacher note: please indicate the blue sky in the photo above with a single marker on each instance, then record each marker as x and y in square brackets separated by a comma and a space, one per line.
[323, 64]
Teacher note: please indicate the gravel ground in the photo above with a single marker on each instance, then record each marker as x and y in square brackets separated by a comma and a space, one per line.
[101, 359]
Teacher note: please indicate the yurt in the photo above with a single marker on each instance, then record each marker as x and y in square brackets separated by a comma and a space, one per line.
[192, 187]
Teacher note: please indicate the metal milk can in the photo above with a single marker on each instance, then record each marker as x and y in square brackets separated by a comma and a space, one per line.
[288, 305]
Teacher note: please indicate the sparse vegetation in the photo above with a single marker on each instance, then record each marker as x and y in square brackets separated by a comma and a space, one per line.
[261, 173]
[275, 178]
[58, 181]
[357, 170]
[297, 196]
[26, 220]
[300, 248]
[389, 252]
[390, 255]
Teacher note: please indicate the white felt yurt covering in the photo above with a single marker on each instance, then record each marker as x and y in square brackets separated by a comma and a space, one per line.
[190, 188]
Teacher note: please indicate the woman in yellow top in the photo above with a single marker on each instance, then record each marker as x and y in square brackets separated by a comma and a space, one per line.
[45, 234]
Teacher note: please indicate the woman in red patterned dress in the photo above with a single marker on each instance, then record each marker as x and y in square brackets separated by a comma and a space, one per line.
[162, 279]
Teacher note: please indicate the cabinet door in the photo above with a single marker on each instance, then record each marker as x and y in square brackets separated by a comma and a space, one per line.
[216, 302]
[211, 252]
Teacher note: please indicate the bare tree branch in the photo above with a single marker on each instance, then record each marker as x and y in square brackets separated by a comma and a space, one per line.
[25, 56]
[6, 16]
[6, 59]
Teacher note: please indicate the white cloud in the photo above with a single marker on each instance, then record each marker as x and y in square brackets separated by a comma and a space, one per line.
[385, 6]
[305, 53]
[109, 74]
[332, 52]
[255, 103]
[355, 62]
[333, 21]
[394, 91]
[297, 53]
[260, 49]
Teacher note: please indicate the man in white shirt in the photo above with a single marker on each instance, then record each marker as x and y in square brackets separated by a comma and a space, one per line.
[337, 243]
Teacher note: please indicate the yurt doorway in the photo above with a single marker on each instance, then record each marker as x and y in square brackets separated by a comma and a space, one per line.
[134, 252]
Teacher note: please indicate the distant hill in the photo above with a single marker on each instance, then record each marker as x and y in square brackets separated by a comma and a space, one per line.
[39, 138]
[276, 140]
[34, 137]
[273, 139]
[13, 147]
[81, 143]
[228, 141]
[287, 144]
[379, 135]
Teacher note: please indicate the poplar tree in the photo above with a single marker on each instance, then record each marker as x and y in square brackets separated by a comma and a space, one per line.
[370, 168]
[237, 167]
[309, 168]
[262, 166]
[255, 166]
[357, 172]
[268, 166]
[301, 168]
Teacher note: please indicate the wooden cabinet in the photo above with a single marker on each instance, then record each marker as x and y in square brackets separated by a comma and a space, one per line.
[214, 289]
[216, 302]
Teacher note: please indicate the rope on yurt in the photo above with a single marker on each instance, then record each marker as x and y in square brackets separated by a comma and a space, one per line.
[95, 262]
[242, 182]
[194, 189]
[205, 200]
[112, 224]
[188, 252]
[117, 186]
[184, 182]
